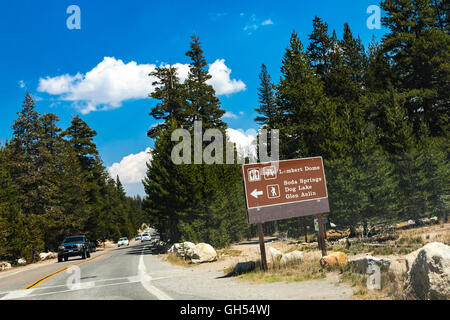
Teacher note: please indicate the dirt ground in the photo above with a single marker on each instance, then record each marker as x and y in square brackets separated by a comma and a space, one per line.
[249, 250]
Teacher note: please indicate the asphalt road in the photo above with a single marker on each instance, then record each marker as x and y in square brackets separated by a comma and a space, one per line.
[135, 272]
[119, 273]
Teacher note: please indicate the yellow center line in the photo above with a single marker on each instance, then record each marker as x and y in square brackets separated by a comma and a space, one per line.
[34, 284]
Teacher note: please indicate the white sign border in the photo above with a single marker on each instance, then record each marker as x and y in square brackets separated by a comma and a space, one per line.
[287, 203]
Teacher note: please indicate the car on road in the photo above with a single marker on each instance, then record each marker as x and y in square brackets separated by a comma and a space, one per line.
[74, 246]
[123, 242]
[146, 237]
[138, 237]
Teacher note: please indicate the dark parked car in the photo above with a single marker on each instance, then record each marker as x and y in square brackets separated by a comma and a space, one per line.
[74, 246]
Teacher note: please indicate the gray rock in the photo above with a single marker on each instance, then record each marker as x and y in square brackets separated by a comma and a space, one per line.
[21, 261]
[429, 277]
[294, 256]
[273, 254]
[174, 248]
[186, 249]
[361, 264]
[202, 252]
[5, 265]
[243, 267]
[47, 255]
[188, 245]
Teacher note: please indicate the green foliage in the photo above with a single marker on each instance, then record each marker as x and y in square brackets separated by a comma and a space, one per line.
[192, 202]
[378, 117]
[418, 45]
[54, 185]
[203, 102]
[268, 109]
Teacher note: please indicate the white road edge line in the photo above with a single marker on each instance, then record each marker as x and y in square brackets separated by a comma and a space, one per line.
[84, 287]
[37, 265]
[17, 294]
[146, 280]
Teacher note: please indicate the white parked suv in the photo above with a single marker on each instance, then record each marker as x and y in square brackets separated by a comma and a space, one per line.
[123, 242]
[146, 237]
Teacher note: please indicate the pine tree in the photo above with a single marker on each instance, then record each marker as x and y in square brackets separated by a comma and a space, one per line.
[379, 75]
[196, 205]
[11, 226]
[72, 199]
[418, 44]
[267, 110]
[51, 146]
[320, 47]
[24, 156]
[165, 192]
[203, 103]
[172, 96]
[301, 98]
[80, 138]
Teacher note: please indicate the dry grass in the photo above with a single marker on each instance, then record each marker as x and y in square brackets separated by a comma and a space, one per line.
[391, 285]
[176, 260]
[438, 232]
[222, 253]
[307, 269]
[408, 241]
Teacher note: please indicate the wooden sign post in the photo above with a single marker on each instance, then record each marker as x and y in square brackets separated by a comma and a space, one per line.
[262, 247]
[321, 239]
[282, 190]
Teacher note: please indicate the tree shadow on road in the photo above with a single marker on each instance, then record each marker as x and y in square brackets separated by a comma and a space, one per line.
[142, 250]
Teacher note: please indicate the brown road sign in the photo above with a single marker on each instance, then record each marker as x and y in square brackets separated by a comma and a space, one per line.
[285, 189]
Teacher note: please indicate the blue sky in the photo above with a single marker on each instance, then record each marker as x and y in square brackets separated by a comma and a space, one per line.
[40, 54]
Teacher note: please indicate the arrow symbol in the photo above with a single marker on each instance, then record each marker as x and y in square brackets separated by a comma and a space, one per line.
[257, 193]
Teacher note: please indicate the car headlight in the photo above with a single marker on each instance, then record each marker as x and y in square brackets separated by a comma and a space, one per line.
[79, 245]
[61, 247]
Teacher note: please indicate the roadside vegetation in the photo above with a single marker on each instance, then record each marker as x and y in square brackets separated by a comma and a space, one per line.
[377, 114]
[392, 281]
[370, 110]
[53, 184]
[308, 269]
[391, 285]
[177, 260]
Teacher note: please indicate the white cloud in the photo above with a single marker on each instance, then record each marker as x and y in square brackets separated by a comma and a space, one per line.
[104, 87]
[132, 168]
[253, 24]
[230, 115]
[267, 22]
[245, 141]
[251, 27]
[182, 70]
[22, 84]
[112, 82]
[221, 80]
